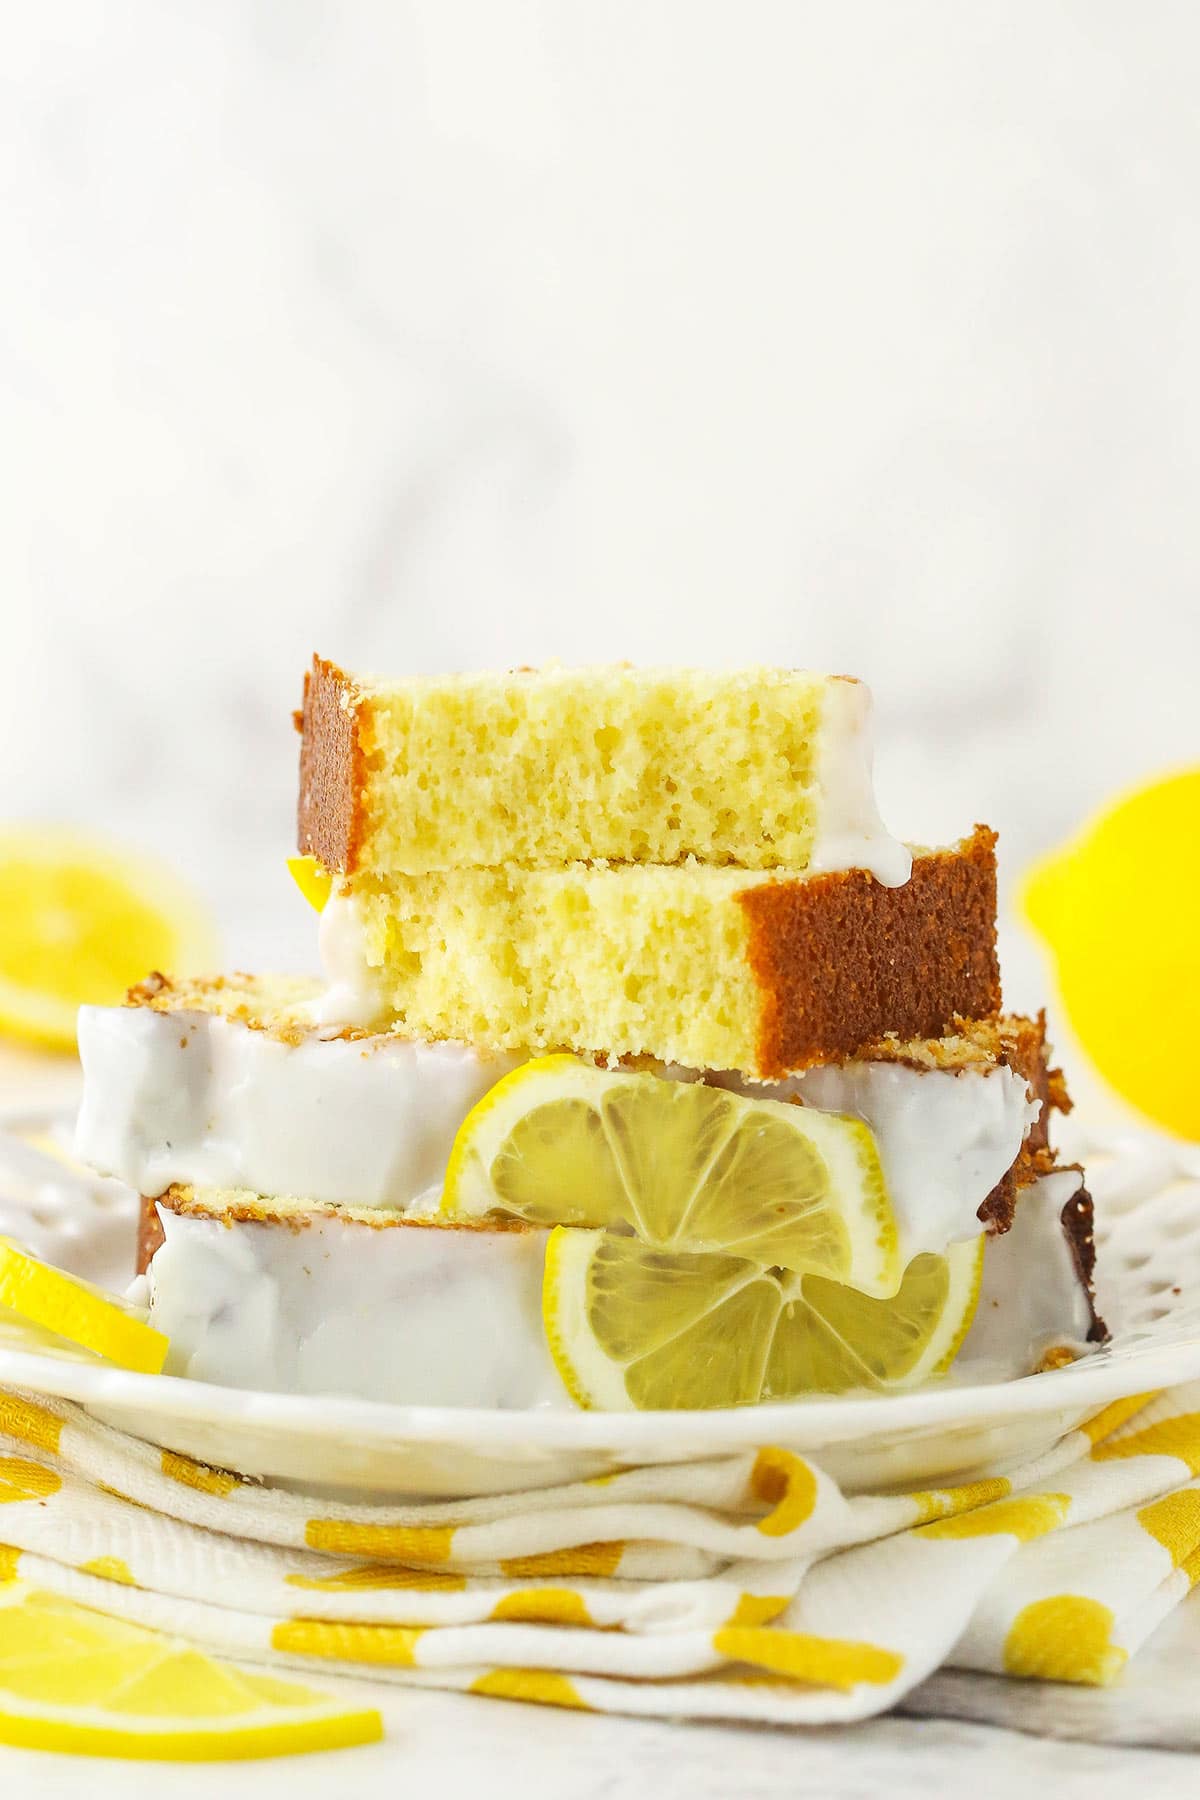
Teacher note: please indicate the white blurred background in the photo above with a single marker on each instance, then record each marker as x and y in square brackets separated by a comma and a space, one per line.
[469, 332]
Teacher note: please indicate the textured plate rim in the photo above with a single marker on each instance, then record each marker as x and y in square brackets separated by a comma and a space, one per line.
[649, 1436]
[1155, 1359]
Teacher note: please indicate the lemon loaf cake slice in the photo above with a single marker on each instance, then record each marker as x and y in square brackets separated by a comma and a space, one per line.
[306, 1299]
[717, 968]
[759, 768]
[204, 1084]
[310, 1299]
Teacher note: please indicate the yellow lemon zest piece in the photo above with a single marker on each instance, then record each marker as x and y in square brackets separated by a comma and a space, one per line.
[312, 878]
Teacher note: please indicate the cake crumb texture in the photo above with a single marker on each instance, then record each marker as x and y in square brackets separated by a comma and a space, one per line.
[554, 765]
[715, 968]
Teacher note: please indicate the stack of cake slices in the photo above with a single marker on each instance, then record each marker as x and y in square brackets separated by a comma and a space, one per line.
[648, 1070]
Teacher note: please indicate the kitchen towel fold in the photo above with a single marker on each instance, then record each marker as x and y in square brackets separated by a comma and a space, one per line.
[748, 1587]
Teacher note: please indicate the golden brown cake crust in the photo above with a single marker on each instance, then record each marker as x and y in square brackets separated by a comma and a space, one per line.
[273, 1005]
[1078, 1223]
[1024, 1048]
[841, 960]
[237, 1207]
[330, 816]
[150, 1233]
[1021, 1043]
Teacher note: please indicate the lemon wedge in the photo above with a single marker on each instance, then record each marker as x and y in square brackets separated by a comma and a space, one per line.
[631, 1328]
[681, 1166]
[312, 878]
[1117, 909]
[81, 922]
[74, 1680]
[47, 1298]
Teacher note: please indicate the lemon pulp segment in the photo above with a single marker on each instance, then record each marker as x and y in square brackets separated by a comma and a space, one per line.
[634, 1327]
[313, 879]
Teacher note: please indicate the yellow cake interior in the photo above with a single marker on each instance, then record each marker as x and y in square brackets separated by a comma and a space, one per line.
[575, 957]
[555, 765]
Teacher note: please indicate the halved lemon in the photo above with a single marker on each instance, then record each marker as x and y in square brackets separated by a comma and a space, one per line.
[73, 1680]
[681, 1166]
[1116, 909]
[80, 922]
[73, 1309]
[632, 1328]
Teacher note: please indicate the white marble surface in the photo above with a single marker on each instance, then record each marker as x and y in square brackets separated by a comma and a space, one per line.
[495, 1750]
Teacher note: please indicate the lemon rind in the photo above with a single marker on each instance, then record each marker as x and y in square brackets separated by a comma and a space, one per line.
[564, 1281]
[313, 879]
[596, 1382]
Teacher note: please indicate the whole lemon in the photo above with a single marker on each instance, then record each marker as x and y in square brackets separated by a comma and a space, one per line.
[1119, 908]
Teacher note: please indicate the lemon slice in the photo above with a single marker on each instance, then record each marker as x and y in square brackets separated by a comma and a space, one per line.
[22, 1334]
[81, 922]
[73, 1309]
[76, 1681]
[633, 1328]
[682, 1166]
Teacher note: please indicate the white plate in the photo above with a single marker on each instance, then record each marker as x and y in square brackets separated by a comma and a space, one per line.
[1148, 1218]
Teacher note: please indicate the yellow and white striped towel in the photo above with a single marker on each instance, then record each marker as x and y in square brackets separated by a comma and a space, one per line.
[747, 1588]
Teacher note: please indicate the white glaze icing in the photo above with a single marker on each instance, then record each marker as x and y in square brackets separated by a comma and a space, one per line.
[202, 1100]
[850, 833]
[944, 1137]
[352, 995]
[409, 1314]
[207, 1102]
[1031, 1296]
[422, 1316]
